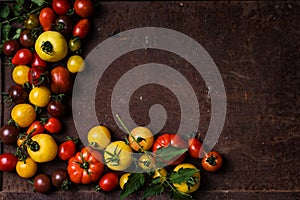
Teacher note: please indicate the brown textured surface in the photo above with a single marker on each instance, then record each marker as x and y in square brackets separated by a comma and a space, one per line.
[256, 48]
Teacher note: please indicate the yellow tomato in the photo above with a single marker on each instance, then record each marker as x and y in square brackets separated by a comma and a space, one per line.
[99, 137]
[75, 64]
[143, 134]
[161, 172]
[45, 150]
[26, 169]
[23, 114]
[40, 96]
[187, 187]
[20, 74]
[147, 162]
[51, 46]
[123, 180]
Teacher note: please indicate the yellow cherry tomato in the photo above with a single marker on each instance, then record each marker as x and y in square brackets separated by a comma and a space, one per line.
[23, 114]
[44, 150]
[123, 180]
[75, 64]
[144, 135]
[20, 74]
[147, 162]
[40, 96]
[99, 137]
[185, 187]
[27, 168]
[162, 173]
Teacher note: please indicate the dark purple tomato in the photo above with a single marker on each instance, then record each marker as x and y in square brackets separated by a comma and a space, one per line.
[60, 179]
[42, 183]
[56, 109]
[10, 47]
[64, 24]
[18, 94]
[26, 39]
[8, 134]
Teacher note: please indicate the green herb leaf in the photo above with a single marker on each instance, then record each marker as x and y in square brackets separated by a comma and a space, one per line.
[5, 31]
[17, 34]
[135, 181]
[16, 9]
[4, 12]
[153, 190]
[180, 195]
[182, 175]
[169, 153]
[38, 2]
[155, 181]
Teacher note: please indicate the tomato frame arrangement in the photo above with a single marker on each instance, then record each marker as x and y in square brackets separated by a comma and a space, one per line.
[45, 51]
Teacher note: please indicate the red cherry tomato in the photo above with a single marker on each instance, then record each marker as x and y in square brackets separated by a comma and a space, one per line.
[53, 125]
[35, 128]
[61, 7]
[61, 81]
[194, 147]
[84, 8]
[212, 161]
[108, 182]
[47, 18]
[22, 57]
[82, 28]
[37, 61]
[8, 162]
[37, 76]
[67, 149]
[10, 47]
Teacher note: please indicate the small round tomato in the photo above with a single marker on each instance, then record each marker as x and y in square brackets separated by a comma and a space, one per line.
[37, 76]
[99, 137]
[40, 96]
[143, 136]
[108, 182]
[123, 180]
[37, 61]
[21, 139]
[27, 168]
[60, 179]
[61, 7]
[61, 81]
[10, 47]
[23, 114]
[17, 94]
[26, 39]
[212, 161]
[42, 183]
[8, 134]
[35, 128]
[74, 44]
[82, 28]
[194, 147]
[84, 8]
[67, 149]
[56, 109]
[22, 57]
[75, 64]
[147, 162]
[64, 25]
[47, 18]
[192, 184]
[8, 162]
[53, 125]
[31, 22]
[20, 74]
[162, 173]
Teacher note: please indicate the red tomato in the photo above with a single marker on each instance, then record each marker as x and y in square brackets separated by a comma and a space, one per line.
[61, 7]
[82, 28]
[194, 147]
[108, 182]
[53, 125]
[37, 76]
[174, 140]
[67, 149]
[35, 128]
[22, 57]
[84, 8]
[60, 80]
[37, 61]
[212, 161]
[8, 162]
[47, 18]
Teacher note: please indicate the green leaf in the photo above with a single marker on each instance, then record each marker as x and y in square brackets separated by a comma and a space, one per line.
[16, 9]
[135, 181]
[4, 12]
[169, 153]
[5, 31]
[182, 175]
[17, 34]
[139, 139]
[180, 195]
[38, 2]
[20, 2]
[155, 181]
[153, 190]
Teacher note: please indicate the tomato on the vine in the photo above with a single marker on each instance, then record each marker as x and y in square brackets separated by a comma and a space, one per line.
[142, 137]
[26, 168]
[190, 185]
[67, 149]
[37, 76]
[124, 179]
[194, 147]
[40, 96]
[53, 125]
[47, 18]
[22, 57]
[61, 7]
[99, 137]
[82, 28]
[147, 162]
[160, 172]
[108, 182]
[212, 161]
[20, 74]
[8, 162]
[84, 8]
[23, 114]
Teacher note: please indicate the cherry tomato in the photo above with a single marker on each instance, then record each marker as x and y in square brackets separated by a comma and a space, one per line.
[42, 183]
[144, 135]
[190, 185]
[67, 149]
[160, 172]
[56, 109]
[26, 39]
[61, 7]
[9, 134]
[37, 76]
[10, 47]
[75, 64]
[194, 147]
[108, 182]
[40, 96]
[147, 162]
[27, 168]
[47, 18]
[53, 125]
[22, 57]
[123, 180]
[60, 80]
[60, 179]
[31, 22]
[74, 44]
[64, 25]
[23, 114]
[212, 161]
[20, 74]
[17, 94]
[37, 61]
[35, 128]
[8, 162]
[82, 28]
[84, 8]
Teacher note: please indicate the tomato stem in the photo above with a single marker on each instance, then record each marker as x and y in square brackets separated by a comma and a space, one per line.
[47, 47]
[212, 160]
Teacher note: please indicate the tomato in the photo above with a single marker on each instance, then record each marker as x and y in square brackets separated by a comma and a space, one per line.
[67, 149]
[86, 166]
[212, 161]
[26, 39]
[144, 137]
[60, 179]
[37, 61]
[123, 180]
[20, 74]
[99, 137]
[188, 186]
[17, 94]
[174, 140]
[194, 147]
[40, 96]
[51, 46]
[61, 7]
[35, 128]
[21, 139]
[47, 18]
[22, 57]
[147, 162]
[108, 182]
[31, 22]
[74, 44]
[53, 125]
[56, 109]
[44, 148]
[8, 134]
[8, 162]
[37, 76]
[60, 80]
[64, 25]
[84, 8]
[27, 168]
[162, 173]
[75, 64]
[82, 28]
[23, 114]
[10, 47]
[117, 156]
[42, 183]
